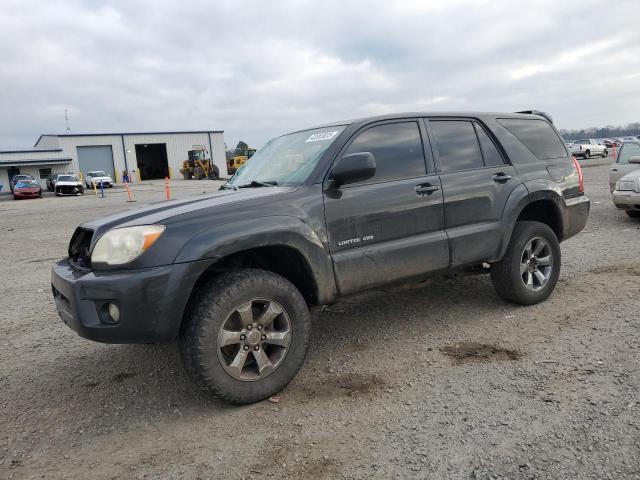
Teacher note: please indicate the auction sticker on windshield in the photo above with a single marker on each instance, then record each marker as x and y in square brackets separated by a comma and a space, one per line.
[316, 137]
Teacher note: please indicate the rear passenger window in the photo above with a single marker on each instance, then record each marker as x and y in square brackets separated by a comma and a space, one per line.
[490, 153]
[537, 135]
[397, 148]
[457, 145]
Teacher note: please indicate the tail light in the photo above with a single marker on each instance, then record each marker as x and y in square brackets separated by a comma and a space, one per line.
[580, 178]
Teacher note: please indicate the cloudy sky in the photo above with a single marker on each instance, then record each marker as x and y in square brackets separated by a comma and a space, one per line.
[257, 69]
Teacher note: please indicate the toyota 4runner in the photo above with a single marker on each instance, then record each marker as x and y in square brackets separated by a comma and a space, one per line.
[316, 215]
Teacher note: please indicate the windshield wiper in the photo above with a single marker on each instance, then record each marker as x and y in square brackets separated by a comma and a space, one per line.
[255, 183]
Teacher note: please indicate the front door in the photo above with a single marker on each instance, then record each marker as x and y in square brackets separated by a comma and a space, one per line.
[476, 183]
[389, 227]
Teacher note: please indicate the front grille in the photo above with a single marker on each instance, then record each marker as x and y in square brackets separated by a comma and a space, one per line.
[68, 190]
[79, 248]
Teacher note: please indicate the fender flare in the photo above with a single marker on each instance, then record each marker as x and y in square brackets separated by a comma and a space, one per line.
[520, 198]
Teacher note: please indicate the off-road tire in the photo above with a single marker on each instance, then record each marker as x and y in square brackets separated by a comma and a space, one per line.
[209, 307]
[633, 213]
[198, 174]
[505, 274]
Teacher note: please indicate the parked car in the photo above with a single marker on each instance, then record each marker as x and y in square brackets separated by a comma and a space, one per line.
[587, 148]
[626, 192]
[609, 143]
[316, 215]
[623, 164]
[16, 178]
[98, 177]
[27, 188]
[68, 185]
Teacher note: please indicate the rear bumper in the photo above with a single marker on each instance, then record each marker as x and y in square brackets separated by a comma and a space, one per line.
[150, 301]
[575, 215]
[626, 200]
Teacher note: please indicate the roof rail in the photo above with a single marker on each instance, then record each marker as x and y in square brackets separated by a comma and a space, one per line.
[538, 112]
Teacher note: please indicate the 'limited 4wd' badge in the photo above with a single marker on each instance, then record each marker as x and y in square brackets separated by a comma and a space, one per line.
[352, 241]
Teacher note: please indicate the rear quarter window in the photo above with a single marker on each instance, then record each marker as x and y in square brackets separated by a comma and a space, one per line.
[537, 135]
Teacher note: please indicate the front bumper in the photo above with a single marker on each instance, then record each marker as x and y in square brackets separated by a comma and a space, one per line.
[26, 194]
[151, 301]
[576, 214]
[626, 200]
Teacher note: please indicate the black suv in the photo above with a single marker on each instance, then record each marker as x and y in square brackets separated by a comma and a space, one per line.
[316, 215]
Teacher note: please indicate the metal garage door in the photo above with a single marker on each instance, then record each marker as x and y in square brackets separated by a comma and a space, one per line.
[96, 157]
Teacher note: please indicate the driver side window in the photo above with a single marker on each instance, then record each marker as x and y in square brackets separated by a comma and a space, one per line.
[397, 148]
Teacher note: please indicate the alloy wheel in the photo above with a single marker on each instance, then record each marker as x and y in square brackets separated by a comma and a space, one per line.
[536, 264]
[254, 339]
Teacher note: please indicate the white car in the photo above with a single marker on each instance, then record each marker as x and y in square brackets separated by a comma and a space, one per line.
[98, 177]
[68, 185]
[587, 148]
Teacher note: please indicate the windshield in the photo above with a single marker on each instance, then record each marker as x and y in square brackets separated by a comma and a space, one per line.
[27, 183]
[68, 178]
[287, 159]
[97, 174]
[628, 150]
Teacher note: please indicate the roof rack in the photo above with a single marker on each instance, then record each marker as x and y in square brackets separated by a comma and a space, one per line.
[538, 112]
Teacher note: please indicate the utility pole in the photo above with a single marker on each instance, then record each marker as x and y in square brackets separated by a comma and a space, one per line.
[66, 119]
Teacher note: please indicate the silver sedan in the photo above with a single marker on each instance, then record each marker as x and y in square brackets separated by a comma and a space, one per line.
[626, 192]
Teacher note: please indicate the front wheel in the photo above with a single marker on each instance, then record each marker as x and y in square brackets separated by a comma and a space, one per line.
[587, 154]
[633, 213]
[245, 335]
[529, 270]
[605, 154]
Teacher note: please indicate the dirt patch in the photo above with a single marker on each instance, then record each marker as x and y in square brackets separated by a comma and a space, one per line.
[120, 377]
[346, 385]
[633, 270]
[471, 352]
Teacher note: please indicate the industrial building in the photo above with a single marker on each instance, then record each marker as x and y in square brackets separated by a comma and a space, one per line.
[145, 156]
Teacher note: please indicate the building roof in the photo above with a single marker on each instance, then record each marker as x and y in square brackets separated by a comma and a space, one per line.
[124, 134]
[29, 150]
[34, 161]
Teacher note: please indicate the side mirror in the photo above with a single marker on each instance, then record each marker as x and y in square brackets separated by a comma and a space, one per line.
[634, 159]
[354, 167]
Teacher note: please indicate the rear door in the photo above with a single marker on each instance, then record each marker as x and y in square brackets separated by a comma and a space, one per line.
[390, 227]
[476, 183]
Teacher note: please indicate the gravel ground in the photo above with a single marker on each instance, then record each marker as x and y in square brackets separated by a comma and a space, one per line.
[439, 380]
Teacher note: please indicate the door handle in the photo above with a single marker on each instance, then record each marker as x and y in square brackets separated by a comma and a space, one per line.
[426, 189]
[614, 169]
[501, 178]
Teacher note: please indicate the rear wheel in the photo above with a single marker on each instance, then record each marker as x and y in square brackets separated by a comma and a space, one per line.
[529, 270]
[245, 335]
[587, 154]
[187, 174]
[605, 154]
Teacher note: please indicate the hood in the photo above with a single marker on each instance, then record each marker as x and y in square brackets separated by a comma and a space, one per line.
[165, 212]
[633, 175]
[61, 183]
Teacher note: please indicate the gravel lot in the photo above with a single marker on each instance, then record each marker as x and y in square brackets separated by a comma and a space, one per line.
[442, 380]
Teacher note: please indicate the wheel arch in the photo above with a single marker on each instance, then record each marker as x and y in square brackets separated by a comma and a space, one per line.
[543, 206]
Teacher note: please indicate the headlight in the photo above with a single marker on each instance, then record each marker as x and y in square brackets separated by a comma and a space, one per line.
[626, 185]
[121, 245]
